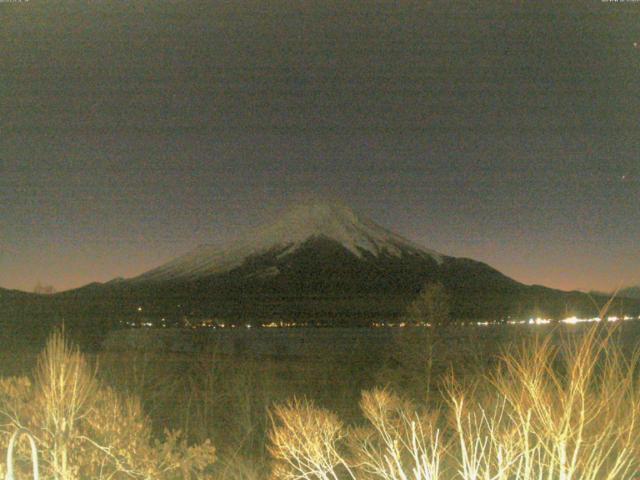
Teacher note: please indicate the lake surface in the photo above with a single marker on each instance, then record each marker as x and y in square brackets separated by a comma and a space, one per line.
[317, 342]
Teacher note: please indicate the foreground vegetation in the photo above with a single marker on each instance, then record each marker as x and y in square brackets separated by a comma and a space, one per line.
[568, 413]
[85, 429]
[542, 408]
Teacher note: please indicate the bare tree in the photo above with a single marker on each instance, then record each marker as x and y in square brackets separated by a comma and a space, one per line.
[430, 306]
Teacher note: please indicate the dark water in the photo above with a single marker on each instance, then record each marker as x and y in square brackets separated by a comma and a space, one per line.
[313, 342]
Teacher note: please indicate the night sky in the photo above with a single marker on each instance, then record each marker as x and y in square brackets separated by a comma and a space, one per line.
[508, 131]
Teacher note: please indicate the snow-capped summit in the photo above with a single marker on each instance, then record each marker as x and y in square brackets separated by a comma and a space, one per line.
[298, 225]
[334, 222]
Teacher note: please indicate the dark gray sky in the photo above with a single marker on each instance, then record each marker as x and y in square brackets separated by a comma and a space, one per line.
[504, 131]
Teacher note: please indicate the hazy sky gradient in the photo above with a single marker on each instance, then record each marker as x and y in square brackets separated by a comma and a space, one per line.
[507, 132]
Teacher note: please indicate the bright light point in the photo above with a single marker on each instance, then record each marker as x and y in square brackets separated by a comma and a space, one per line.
[139, 309]
[574, 320]
[539, 321]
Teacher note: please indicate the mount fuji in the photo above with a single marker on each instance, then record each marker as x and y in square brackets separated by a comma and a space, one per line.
[320, 263]
[296, 230]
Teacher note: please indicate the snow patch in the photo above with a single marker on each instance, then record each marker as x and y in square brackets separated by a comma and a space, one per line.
[286, 235]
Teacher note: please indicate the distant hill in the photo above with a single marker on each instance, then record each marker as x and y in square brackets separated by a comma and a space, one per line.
[320, 263]
[627, 292]
[630, 292]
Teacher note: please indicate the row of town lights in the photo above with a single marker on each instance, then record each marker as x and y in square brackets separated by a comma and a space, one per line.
[532, 321]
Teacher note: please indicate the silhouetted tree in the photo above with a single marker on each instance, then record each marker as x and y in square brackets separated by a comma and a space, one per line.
[432, 305]
[44, 289]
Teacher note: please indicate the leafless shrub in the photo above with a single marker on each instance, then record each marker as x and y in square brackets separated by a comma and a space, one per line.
[308, 443]
[567, 412]
[86, 430]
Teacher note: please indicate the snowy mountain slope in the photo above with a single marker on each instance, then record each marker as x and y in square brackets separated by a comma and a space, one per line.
[360, 236]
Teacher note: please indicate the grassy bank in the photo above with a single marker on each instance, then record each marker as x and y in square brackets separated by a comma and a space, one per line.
[554, 405]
